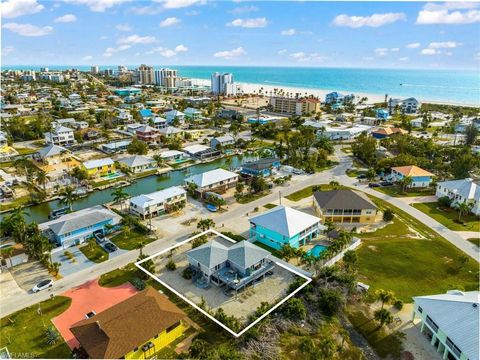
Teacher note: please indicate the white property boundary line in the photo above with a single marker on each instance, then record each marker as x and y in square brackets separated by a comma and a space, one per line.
[138, 264]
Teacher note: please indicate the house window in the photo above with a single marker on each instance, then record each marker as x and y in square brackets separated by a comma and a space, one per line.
[172, 327]
[420, 310]
[136, 349]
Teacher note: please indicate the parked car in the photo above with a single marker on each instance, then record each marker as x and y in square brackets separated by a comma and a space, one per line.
[373, 185]
[211, 208]
[362, 176]
[99, 236]
[44, 284]
[386, 183]
[110, 247]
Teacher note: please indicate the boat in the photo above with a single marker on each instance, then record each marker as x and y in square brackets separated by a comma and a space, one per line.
[55, 214]
[80, 192]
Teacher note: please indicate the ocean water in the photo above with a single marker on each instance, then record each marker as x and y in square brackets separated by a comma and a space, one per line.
[455, 86]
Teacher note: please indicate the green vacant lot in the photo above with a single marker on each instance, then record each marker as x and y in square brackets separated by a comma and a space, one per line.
[131, 240]
[23, 332]
[120, 276]
[410, 259]
[396, 191]
[94, 252]
[448, 217]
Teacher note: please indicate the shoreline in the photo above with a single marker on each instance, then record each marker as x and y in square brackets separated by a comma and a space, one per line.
[250, 88]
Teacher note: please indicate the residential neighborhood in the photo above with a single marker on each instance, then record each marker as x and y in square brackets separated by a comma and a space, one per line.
[237, 209]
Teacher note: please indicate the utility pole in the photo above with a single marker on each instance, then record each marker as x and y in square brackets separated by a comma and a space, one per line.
[280, 197]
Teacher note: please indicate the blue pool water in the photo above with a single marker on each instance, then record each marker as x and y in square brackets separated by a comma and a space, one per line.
[317, 250]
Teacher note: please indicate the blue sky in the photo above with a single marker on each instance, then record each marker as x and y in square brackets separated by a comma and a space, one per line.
[199, 32]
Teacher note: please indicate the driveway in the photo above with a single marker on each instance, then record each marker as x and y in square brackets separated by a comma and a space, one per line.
[71, 266]
[8, 285]
[86, 298]
[30, 274]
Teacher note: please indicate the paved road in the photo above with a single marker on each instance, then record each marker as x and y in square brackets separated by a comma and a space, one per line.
[11, 304]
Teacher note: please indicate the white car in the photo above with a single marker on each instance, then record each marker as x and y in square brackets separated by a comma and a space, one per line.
[44, 284]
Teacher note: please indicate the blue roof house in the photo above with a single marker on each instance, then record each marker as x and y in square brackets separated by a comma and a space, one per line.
[260, 167]
[382, 114]
[146, 114]
[283, 225]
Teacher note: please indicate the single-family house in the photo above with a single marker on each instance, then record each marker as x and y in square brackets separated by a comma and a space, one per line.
[158, 202]
[99, 167]
[450, 322]
[221, 141]
[260, 167]
[344, 207]
[52, 154]
[175, 115]
[173, 156]
[76, 227]
[192, 114]
[337, 98]
[138, 163]
[461, 127]
[218, 180]
[283, 225]
[201, 152]
[159, 122]
[148, 134]
[136, 328]
[60, 135]
[382, 114]
[420, 177]
[407, 106]
[382, 133]
[146, 114]
[460, 191]
[344, 132]
[115, 146]
[171, 132]
[132, 128]
[234, 266]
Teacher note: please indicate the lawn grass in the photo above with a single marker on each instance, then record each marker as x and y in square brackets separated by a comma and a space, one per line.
[25, 151]
[131, 241]
[385, 344]
[448, 217]
[410, 259]
[274, 252]
[21, 201]
[23, 331]
[354, 173]
[245, 199]
[269, 206]
[6, 164]
[396, 191]
[94, 252]
[308, 191]
[475, 241]
[118, 277]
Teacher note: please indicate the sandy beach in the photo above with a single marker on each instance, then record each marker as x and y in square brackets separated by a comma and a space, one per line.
[250, 88]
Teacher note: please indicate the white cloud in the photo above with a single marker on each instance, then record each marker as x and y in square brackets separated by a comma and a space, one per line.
[298, 55]
[413, 45]
[282, 52]
[98, 5]
[405, 58]
[7, 50]
[110, 51]
[14, 8]
[103, 37]
[177, 4]
[230, 54]
[395, 49]
[192, 13]
[381, 51]
[477, 56]
[170, 21]
[288, 32]
[307, 57]
[123, 27]
[136, 39]
[429, 52]
[67, 18]
[249, 23]
[449, 13]
[374, 20]
[87, 58]
[181, 48]
[243, 10]
[28, 29]
[168, 53]
[444, 45]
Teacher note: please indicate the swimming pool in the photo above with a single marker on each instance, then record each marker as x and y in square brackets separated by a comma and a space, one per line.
[317, 250]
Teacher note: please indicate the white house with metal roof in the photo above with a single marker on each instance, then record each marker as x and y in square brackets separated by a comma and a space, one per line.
[283, 225]
[76, 227]
[60, 135]
[236, 266]
[138, 163]
[218, 180]
[460, 191]
[222, 141]
[450, 322]
[158, 202]
[51, 154]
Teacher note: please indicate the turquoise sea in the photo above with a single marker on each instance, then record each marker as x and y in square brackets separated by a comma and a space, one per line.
[455, 86]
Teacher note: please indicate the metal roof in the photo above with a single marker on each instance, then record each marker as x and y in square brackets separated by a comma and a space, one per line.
[136, 160]
[98, 163]
[343, 199]
[211, 177]
[157, 197]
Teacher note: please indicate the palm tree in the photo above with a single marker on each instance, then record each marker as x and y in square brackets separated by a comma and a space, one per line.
[42, 178]
[8, 253]
[205, 224]
[405, 182]
[383, 316]
[384, 296]
[140, 247]
[119, 196]
[68, 197]
[463, 209]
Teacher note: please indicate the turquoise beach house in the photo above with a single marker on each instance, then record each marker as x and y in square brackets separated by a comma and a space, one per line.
[283, 225]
